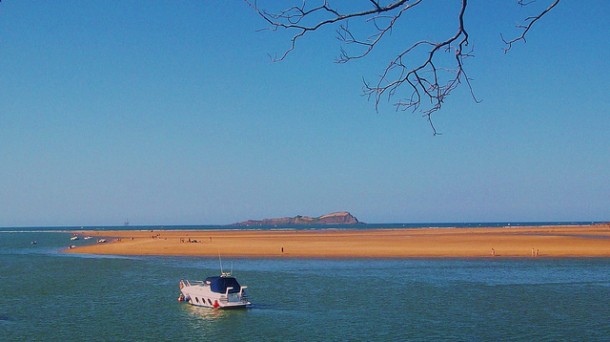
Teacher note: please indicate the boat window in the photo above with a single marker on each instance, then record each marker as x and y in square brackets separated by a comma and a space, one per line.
[197, 299]
[209, 301]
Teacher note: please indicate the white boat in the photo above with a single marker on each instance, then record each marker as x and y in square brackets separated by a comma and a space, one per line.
[218, 292]
[87, 238]
[74, 238]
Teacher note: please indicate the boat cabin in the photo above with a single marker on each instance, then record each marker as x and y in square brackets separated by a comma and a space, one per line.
[220, 284]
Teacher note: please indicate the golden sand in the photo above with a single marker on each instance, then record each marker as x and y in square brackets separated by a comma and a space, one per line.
[548, 241]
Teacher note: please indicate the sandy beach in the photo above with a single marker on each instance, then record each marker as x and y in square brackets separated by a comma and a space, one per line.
[548, 241]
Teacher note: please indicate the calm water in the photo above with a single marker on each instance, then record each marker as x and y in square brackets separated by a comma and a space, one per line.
[50, 296]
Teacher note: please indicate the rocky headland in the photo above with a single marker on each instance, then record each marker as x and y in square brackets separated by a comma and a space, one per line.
[338, 218]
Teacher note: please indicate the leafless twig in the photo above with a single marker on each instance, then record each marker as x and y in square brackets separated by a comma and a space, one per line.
[427, 81]
[529, 21]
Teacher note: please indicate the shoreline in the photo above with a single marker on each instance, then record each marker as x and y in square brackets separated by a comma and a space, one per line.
[480, 242]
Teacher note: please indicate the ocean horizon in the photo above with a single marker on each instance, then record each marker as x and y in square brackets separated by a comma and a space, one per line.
[302, 227]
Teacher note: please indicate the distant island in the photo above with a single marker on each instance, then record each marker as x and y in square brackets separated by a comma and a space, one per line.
[338, 218]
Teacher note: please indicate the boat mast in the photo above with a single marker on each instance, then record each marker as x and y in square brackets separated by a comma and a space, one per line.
[220, 262]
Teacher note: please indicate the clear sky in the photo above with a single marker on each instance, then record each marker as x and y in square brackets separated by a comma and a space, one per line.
[171, 112]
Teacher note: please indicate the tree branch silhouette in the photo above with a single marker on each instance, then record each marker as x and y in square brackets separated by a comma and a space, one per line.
[531, 20]
[420, 77]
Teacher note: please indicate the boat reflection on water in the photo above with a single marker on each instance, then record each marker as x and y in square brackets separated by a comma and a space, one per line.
[201, 313]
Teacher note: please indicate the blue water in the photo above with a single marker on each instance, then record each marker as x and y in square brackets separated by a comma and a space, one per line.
[46, 295]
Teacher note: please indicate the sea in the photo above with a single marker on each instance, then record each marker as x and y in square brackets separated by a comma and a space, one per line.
[47, 295]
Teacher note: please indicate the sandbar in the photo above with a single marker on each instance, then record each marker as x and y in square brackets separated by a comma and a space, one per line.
[531, 241]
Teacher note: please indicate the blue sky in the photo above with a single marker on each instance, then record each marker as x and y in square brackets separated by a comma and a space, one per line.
[164, 112]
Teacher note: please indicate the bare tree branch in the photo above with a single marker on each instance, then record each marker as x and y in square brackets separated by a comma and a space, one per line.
[530, 22]
[291, 18]
[426, 81]
[420, 83]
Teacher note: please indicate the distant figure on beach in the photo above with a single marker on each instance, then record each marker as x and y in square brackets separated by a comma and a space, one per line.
[493, 252]
[282, 249]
